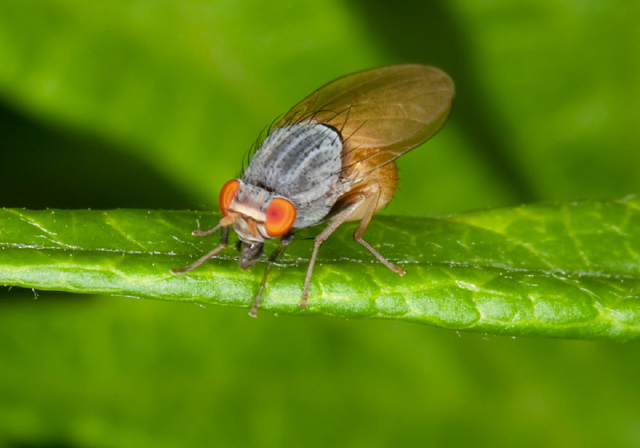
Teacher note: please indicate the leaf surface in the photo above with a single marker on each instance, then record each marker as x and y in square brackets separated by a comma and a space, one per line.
[560, 270]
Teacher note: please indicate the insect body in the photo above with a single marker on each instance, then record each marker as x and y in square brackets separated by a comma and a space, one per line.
[331, 158]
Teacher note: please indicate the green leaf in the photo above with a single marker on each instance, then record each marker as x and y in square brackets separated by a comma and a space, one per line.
[546, 103]
[196, 76]
[568, 270]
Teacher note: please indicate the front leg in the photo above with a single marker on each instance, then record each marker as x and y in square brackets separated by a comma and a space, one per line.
[284, 242]
[224, 241]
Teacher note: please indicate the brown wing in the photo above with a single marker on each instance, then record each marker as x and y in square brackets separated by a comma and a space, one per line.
[381, 113]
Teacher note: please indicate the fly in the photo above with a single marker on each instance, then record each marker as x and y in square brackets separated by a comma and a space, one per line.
[331, 158]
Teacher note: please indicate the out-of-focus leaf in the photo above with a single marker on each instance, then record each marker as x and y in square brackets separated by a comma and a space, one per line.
[179, 83]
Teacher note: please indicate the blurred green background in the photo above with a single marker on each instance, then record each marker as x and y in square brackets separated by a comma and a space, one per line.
[153, 104]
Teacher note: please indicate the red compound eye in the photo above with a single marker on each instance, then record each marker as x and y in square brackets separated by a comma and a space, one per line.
[227, 195]
[281, 214]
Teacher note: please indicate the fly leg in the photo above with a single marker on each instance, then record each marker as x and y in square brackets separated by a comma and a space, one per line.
[224, 242]
[286, 239]
[367, 201]
[199, 232]
[371, 206]
[335, 222]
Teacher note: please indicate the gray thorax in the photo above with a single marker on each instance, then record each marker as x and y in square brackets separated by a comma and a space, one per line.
[301, 163]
